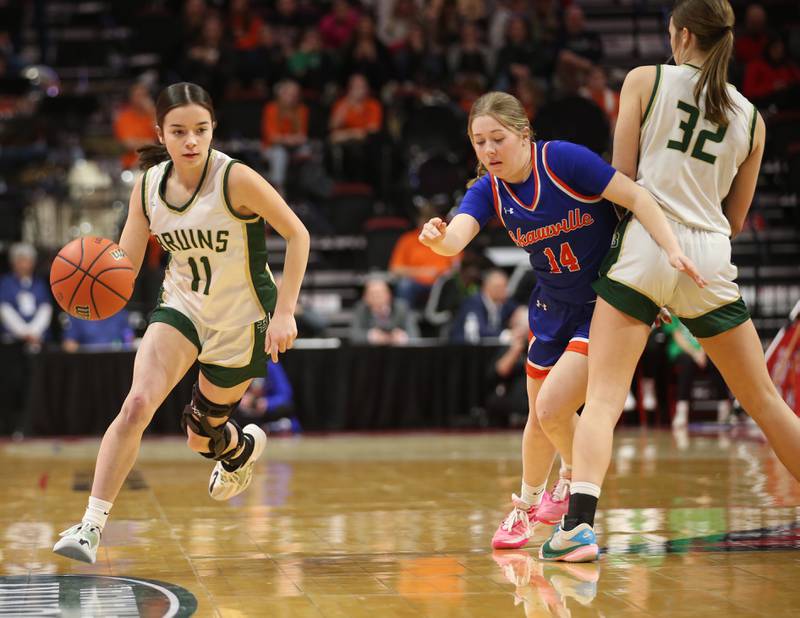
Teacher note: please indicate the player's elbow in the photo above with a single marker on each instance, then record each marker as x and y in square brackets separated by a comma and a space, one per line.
[736, 226]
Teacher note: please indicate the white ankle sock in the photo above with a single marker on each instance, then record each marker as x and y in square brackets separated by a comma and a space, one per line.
[532, 496]
[97, 512]
[565, 472]
[582, 487]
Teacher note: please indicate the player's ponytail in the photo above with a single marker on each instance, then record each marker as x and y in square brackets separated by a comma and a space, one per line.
[175, 95]
[504, 108]
[711, 21]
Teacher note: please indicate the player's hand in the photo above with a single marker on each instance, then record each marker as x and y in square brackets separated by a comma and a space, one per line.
[680, 262]
[281, 333]
[433, 232]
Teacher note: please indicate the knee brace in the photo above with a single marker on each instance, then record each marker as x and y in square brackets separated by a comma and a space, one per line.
[195, 417]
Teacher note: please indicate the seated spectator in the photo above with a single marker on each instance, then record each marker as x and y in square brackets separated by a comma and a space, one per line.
[596, 89]
[25, 309]
[486, 313]
[395, 20]
[269, 402]
[773, 79]
[338, 26]
[284, 131]
[244, 24]
[752, 41]
[418, 61]
[469, 57]
[368, 56]
[310, 64]
[209, 59]
[578, 51]
[355, 121]
[450, 291]
[517, 58]
[689, 359]
[135, 124]
[531, 96]
[507, 404]
[380, 320]
[416, 266]
[112, 333]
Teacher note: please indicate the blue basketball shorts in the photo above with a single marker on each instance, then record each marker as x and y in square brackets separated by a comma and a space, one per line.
[555, 327]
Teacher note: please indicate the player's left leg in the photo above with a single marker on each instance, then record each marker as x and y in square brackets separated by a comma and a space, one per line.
[616, 343]
[558, 400]
[212, 433]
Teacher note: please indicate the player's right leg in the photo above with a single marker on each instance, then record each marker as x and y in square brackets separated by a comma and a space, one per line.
[738, 355]
[162, 359]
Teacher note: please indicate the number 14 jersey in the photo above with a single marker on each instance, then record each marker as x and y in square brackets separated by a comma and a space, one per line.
[557, 215]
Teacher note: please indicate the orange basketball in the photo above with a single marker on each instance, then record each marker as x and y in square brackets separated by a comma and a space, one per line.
[92, 278]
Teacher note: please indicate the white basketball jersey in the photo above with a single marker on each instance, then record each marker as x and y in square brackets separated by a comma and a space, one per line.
[687, 162]
[217, 270]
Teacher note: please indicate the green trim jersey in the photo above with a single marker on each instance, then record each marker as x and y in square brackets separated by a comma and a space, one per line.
[217, 274]
[686, 161]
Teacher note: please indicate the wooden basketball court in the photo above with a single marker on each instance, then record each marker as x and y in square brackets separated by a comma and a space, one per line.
[699, 524]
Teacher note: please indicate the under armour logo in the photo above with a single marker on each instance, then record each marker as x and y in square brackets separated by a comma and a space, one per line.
[508, 211]
[541, 305]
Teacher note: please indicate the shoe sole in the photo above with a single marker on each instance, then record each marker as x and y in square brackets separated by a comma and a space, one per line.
[69, 550]
[584, 553]
[259, 444]
[518, 545]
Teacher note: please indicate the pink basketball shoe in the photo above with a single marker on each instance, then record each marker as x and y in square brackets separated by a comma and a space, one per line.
[554, 505]
[516, 530]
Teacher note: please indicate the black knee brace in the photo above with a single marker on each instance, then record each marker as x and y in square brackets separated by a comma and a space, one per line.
[195, 417]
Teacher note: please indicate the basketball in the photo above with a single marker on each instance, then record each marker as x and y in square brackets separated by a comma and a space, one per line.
[92, 278]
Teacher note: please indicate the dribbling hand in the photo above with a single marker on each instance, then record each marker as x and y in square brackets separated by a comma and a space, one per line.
[281, 333]
[433, 232]
[680, 262]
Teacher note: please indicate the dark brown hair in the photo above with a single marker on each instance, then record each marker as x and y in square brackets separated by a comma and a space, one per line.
[711, 21]
[175, 95]
[505, 109]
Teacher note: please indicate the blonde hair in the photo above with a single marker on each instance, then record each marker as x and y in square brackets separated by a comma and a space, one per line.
[505, 109]
[711, 21]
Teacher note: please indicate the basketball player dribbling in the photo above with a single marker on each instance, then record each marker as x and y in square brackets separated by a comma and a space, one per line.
[695, 143]
[218, 305]
[552, 199]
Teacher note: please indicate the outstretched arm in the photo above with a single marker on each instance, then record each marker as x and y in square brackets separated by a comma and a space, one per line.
[449, 239]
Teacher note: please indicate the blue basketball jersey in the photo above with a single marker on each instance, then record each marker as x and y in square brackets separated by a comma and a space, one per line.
[557, 215]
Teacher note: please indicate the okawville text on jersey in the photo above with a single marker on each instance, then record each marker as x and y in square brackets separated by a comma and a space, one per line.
[575, 220]
[184, 240]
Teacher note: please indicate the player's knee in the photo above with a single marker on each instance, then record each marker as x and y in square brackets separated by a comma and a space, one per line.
[137, 410]
[549, 413]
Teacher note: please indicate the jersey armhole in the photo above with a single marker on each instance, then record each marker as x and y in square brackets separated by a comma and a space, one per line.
[653, 94]
[144, 196]
[226, 195]
[752, 129]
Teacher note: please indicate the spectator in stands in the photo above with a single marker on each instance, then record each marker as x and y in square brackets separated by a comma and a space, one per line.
[367, 55]
[290, 18]
[310, 64]
[531, 96]
[355, 120]
[773, 79]
[114, 333]
[507, 404]
[486, 313]
[469, 57]
[752, 41]
[396, 18]
[339, 25]
[284, 131]
[270, 402]
[209, 60]
[596, 89]
[418, 61]
[245, 25]
[689, 359]
[416, 266]
[449, 292]
[135, 124]
[380, 320]
[258, 56]
[193, 17]
[578, 50]
[517, 58]
[25, 309]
